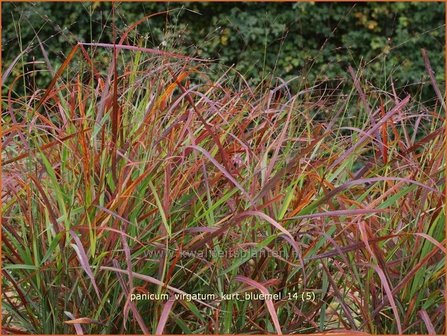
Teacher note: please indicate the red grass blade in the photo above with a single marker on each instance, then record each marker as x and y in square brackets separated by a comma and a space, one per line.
[389, 294]
[431, 240]
[268, 302]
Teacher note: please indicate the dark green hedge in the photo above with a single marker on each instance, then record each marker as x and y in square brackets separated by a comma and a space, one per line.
[315, 40]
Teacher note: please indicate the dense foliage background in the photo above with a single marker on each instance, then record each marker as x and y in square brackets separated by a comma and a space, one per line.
[313, 40]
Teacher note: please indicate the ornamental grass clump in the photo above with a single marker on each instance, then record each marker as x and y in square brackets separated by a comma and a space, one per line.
[149, 176]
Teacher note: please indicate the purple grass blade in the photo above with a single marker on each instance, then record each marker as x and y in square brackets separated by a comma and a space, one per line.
[268, 302]
[83, 260]
[77, 326]
[164, 316]
[424, 316]
[129, 303]
[337, 213]
[13, 63]
[390, 296]
[223, 170]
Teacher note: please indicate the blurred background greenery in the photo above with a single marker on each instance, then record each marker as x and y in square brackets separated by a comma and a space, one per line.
[313, 40]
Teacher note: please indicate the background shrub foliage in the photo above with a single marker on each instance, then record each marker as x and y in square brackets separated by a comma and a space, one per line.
[317, 41]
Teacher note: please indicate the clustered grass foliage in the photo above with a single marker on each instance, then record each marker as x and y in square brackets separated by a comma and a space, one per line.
[149, 177]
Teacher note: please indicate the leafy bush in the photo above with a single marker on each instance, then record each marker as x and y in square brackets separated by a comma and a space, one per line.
[315, 40]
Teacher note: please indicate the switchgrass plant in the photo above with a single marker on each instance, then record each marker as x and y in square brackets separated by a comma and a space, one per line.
[148, 197]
